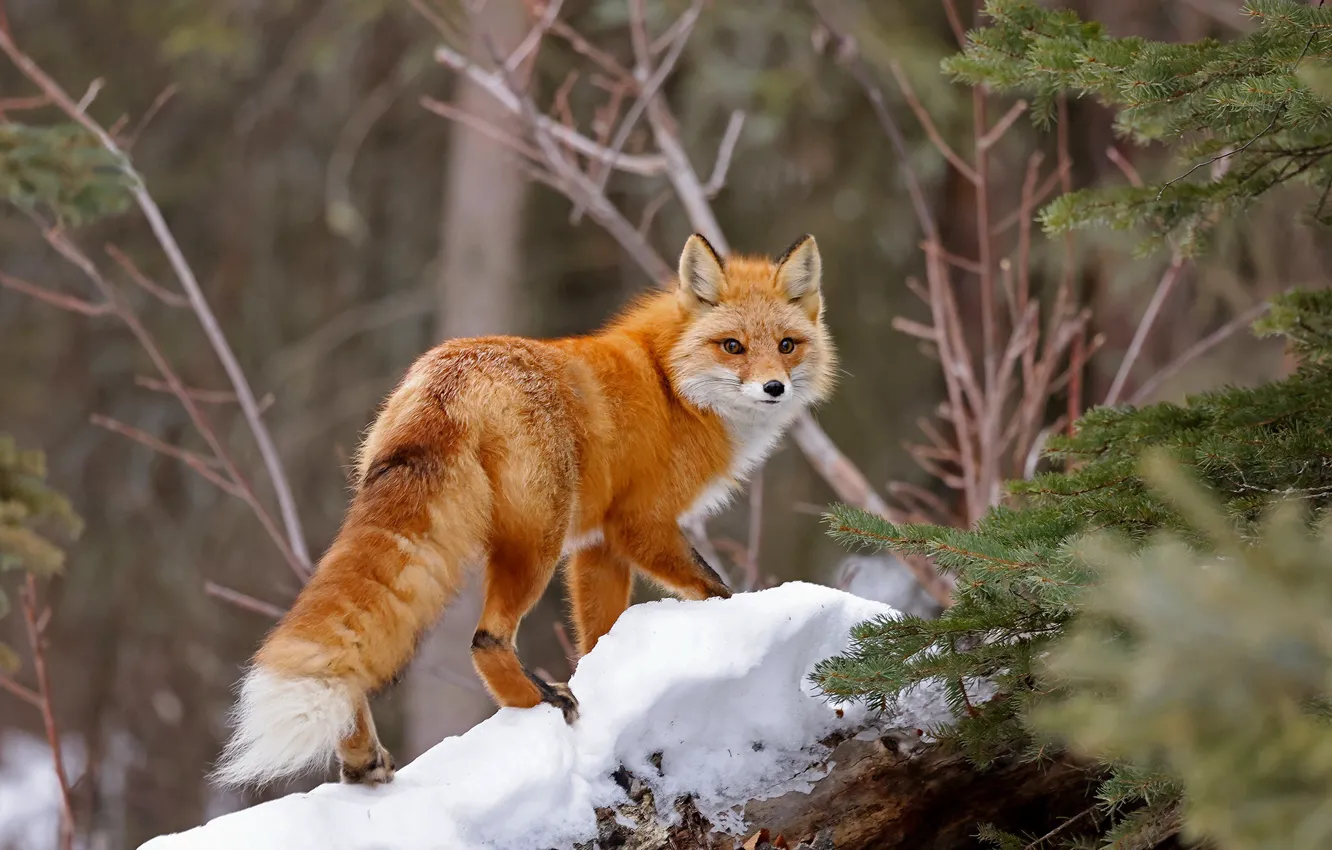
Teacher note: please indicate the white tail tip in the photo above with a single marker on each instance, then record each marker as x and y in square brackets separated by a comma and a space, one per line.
[283, 726]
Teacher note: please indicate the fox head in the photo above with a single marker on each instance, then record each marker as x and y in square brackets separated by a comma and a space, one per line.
[754, 343]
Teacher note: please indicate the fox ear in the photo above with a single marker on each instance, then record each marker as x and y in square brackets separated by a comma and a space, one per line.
[800, 274]
[701, 274]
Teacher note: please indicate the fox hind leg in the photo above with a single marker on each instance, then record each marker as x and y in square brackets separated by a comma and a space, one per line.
[600, 583]
[362, 760]
[516, 576]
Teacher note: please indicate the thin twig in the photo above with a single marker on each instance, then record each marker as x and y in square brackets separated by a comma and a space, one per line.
[1163, 289]
[76, 257]
[533, 38]
[725, 151]
[850, 57]
[55, 299]
[153, 108]
[927, 123]
[26, 694]
[202, 465]
[1198, 349]
[165, 296]
[1052, 182]
[36, 640]
[562, 638]
[498, 134]
[242, 600]
[295, 541]
[995, 133]
[1121, 162]
[755, 526]
[651, 84]
[200, 395]
[494, 85]
[955, 22]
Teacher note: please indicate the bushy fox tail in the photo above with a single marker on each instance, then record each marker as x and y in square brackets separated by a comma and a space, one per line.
[418, 517]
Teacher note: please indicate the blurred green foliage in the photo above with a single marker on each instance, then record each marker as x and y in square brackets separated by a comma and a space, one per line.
[1211, 664]
[29, 511]
[62, 169]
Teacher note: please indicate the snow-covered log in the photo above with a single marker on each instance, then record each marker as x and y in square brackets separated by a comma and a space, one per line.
[698, 727]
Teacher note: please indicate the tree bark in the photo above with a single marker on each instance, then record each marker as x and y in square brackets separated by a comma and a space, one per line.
[477, 293]
[878, 796]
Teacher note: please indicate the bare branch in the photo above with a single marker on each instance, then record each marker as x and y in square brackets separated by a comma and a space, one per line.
[496, 87]
[18, 104]
[955, 22]
[55, 299]
[453, 113]
[1163, 290]
[153, 108]
[533, 38]
[94, 88]
[916, 329]
[1121, 162]
[991, 138]
[163, 295]
[724, 153]
[1052, 182]
[26, 694]
[755, 527]
[927, 123]
[295, 540]
[199, 395]
[200, 464]
[651, 84]
[850, 57]
[241, 600]
[75, 256]
[1198, 349]
[37, 642]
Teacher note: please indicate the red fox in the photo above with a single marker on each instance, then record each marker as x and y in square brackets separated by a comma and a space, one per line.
[515, 453]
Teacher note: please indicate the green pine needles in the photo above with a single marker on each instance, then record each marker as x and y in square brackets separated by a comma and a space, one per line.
[1173, 662]
[1257, 110]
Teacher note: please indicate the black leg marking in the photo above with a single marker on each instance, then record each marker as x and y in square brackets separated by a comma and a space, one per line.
[555, 694]
[378, 770]
[719, 587]
[484, 640]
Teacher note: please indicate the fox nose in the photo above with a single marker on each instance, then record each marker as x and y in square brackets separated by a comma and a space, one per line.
[774, 388]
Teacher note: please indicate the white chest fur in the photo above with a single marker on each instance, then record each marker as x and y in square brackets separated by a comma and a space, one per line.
[752, 439]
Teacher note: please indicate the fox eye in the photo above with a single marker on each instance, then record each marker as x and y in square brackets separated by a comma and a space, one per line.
[786, 346]
[732, 346]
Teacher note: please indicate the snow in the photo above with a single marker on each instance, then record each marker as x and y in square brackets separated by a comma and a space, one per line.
[884, 578]
[719, 688]
[29, 791]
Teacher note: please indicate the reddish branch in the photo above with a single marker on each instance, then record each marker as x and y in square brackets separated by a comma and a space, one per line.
[289, 540]
[293, 545]
[40, 699]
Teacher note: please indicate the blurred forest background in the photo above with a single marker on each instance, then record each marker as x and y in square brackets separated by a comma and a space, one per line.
[339, 226]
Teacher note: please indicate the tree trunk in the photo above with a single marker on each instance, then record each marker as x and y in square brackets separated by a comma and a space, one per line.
[477, 292]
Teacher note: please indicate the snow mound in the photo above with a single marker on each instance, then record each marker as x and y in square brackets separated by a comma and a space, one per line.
[718, 688]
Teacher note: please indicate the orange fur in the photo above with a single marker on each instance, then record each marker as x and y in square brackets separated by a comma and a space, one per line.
[516, 451]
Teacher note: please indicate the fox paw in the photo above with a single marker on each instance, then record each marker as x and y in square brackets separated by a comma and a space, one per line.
[562, 698]
[377, 771]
